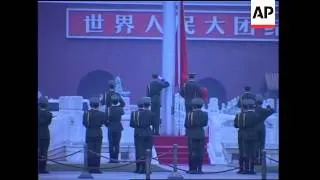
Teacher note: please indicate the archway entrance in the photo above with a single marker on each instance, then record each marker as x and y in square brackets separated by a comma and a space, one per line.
[94, 83]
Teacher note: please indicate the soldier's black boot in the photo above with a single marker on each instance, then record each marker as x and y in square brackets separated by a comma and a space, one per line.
[95, 166]
[251, 167]
[199, 166]
[189, 164]
[42, 168]
[116, 155]
[137, 167]
[142, 168]
[192, 167]
[199, 169]
[246, 166]
[241, 166]
[111, 156]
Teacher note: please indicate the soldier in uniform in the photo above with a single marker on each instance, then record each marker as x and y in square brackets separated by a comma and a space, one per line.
[44, 120]
[154, 92]
[246, 121]
[114, 125]
[195, 123]
[246, 95]
[263, 113]
[190, 90]
[106, 98]
[93, 121]
[142, 122]
[134, 122]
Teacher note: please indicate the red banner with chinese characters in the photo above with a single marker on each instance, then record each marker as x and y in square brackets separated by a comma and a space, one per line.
[147, 24]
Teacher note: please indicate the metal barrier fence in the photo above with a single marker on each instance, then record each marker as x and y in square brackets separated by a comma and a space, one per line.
[85, 174]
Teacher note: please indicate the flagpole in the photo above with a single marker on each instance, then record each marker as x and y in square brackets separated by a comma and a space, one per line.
[168, 62]
[179, 43]
[179, 59]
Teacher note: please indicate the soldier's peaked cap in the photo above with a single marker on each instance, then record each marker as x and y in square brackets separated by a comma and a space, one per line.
[115, 97]
[111, 83]
[140, 102]
[43, 100]
[146, 100]
[94, 100]
[197, 101]
[248, 102]
[259, 98]
[192, 75]
[154, 75]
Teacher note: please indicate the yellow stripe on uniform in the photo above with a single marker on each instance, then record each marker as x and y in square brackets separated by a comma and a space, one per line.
[191, 116]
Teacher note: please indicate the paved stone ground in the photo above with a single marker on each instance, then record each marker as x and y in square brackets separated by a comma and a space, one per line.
[156, 175]
[73, 175]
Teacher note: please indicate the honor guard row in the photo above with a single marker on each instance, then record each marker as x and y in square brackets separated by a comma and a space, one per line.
[251, 132]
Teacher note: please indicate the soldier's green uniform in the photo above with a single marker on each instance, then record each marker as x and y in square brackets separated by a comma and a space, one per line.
[114, 114]
[190, 90]
[44, 120]
[154, 92]
[195, 123]
[246, 121]
[263, 113]
[93, 121]
[106, 99]
[142, 123]
[134, 122]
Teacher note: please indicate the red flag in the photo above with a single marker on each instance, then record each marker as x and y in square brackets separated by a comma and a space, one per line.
[204, 94]
[181, 53]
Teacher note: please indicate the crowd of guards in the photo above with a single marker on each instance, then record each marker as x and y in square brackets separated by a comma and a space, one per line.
[146, 120]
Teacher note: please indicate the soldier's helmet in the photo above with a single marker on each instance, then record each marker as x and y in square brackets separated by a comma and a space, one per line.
[94, 102]
[192, 75]
[115, 99]
[155, 76]
[111, 84]
[140, 103]
[259, 99]
[146, 101]
[247, 88]
[43, 102]
[197, 102]
[248, 104]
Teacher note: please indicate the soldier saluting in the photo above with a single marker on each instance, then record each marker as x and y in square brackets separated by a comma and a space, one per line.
[44, 120]
[190, 90]
[142, 122]
[154, 92]
[246, 121]
[93, 121]
[263, 113]
[114, 114]
[196, 121]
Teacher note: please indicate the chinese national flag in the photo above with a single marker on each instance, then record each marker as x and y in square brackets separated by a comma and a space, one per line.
[181, 50]
[204, 94]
